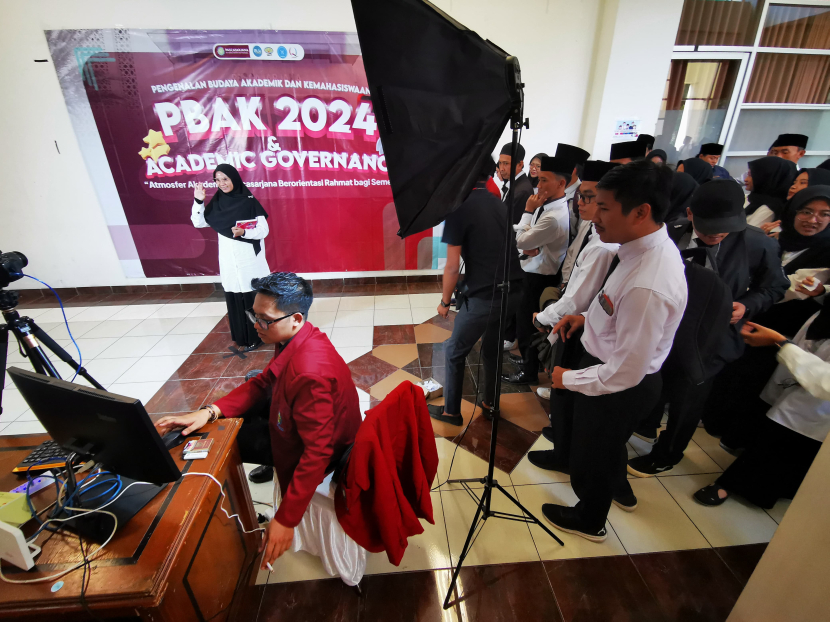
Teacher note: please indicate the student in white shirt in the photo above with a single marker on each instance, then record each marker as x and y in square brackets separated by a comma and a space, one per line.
[542, 236]
[241, 251]
[579, 156]
[592, 262]
[797, 422]
[628, 332]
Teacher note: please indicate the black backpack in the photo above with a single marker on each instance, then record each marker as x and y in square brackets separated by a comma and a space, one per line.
[705, 321]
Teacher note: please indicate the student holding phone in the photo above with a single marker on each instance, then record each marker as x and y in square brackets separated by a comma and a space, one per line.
[240, 221]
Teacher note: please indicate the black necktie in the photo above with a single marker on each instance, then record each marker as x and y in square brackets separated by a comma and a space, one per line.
[611, 268]
[585, 241]
[504, 191]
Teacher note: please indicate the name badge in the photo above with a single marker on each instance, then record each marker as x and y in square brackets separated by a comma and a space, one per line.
[605, 303]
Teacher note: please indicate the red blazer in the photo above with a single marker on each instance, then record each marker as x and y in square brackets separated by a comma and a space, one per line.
[315, 415]
[385, 487]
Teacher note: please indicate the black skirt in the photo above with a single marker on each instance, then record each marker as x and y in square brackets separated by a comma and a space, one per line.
[242, 329]
[772, 467]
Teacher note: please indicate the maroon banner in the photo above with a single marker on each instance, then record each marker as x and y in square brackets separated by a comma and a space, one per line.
[294, 118]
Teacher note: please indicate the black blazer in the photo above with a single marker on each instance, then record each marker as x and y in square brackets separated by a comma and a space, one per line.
[523, 191]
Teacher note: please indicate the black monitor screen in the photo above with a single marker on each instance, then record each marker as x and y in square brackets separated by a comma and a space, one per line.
[114, 430]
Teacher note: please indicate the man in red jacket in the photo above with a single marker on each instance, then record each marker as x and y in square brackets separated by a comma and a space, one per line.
[314, 412]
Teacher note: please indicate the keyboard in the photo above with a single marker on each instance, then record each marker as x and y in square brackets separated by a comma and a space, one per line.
[47, 455]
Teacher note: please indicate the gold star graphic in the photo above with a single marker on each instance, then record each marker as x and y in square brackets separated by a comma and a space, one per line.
[159, 150]
[145, 153]
[154, 138]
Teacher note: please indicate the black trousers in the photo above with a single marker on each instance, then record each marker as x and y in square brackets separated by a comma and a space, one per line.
[685, 402]
[242, 329]
[601, 427]
[254, 438]
[534, 285]
[772, 467]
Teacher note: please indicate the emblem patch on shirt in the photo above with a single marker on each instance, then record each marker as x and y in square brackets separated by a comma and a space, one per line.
[605, 303]
[279, 422]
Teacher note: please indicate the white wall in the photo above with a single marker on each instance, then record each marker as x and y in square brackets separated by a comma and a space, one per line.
[52, 213]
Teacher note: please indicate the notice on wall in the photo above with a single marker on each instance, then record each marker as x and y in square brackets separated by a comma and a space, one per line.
[626, 129]
[156, 111]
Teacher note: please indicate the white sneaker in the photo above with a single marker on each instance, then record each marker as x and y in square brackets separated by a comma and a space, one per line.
[543, 393]
[509, 345]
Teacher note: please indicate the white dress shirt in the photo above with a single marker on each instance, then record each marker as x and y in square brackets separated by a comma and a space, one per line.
[545, 229]
[238, 263]
[648, 293]
[583, 230]
[586, 279]
[799, 392]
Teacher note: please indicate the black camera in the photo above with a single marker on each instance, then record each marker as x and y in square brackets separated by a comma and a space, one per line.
[11, 267]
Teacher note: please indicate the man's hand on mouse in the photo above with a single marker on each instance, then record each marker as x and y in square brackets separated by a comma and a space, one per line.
[191, 422]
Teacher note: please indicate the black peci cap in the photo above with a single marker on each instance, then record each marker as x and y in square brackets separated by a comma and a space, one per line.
[629, 149]
[558, 165]
[718, 207]
[791, 140]
[595, 169]
[648, 139]
[520, 151]
[577, 155]
[711, 149]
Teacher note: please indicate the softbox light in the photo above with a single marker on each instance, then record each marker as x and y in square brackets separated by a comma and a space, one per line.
[441, 95]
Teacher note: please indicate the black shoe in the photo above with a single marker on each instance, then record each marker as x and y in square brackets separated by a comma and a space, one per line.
[437, 413]
[520, 378]
[649, 435]
[516, 358]
[628, 503]
[261, 474]
[547, 432]
[646, 466]
[708, 495]
[566, 519]
[547, 460]
[735, 451]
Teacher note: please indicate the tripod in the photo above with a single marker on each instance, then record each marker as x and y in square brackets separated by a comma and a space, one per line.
[483, 512]
[27, 333]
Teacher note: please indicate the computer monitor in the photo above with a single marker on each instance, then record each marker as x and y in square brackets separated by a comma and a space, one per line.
[111, 429]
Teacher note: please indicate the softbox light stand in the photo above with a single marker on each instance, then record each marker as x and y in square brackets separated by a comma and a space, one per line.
[442, 96]
[484, 511]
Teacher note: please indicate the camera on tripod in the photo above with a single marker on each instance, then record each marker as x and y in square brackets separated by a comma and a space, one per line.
[11, 268]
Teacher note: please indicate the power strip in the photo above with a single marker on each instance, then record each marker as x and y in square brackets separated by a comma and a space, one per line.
[38, 483]
[14, 548]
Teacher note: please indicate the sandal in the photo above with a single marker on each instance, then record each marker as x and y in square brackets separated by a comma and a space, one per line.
[708, 495]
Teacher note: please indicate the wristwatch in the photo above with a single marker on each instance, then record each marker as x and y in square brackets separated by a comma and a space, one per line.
[213, 414]
[784, 342]
[445, 304]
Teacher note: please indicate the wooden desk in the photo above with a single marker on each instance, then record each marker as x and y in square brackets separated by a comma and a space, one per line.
[179, 559]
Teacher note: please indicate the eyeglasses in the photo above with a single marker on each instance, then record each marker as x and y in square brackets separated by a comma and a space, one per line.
[263, 324]
[586, 199]
[806, 214]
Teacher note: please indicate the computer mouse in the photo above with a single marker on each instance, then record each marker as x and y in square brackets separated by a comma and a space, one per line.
[173, 438]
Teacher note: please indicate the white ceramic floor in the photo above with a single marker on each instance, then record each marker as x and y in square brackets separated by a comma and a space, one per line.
[132, 350]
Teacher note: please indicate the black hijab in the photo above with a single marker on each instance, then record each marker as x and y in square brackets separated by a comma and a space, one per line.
[771, 181]
[825, 165]
[791, 240]
[654, 153]
[534, 181]
[683, 186]
[224, 210]
[820, 328]
[816, 176]
[700, 170]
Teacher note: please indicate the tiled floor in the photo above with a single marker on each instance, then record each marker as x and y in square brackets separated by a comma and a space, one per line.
[671, 559]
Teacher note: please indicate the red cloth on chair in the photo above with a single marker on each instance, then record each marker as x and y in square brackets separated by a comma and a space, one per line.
[385, 487]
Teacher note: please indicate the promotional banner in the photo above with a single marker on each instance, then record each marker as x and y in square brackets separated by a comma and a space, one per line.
[156, 111]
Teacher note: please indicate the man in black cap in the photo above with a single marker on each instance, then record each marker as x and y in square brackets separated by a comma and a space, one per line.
[623, 153]
[648, 140]
[791, 147]
[524, 189]
[542, 235]
[711, 153]
[579, 156]
[748, 262]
